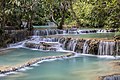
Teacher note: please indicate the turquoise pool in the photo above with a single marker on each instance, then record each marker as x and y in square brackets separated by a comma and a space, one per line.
[19, 56]
[77, 68]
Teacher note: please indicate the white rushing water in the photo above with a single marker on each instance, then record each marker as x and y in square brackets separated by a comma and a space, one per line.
[114, 77]
[85, 47]
[17, 45]
[37, 42]
[106, 48]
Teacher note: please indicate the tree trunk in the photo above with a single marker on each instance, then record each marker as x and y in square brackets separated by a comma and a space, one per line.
[62, 20]
[3, 14]
[74, 14]
[30, 27]
[52, 16]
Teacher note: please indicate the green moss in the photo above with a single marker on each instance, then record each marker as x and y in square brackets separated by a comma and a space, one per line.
[117, 34]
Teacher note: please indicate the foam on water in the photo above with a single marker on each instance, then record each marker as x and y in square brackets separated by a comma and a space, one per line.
[13, 72]
[3, 75]
[109, 57]
[99, 56]
[36, 64]
[17, 45]
[24, 69]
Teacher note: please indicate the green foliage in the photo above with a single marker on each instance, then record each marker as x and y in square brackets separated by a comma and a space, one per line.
[98, 13]
[90, 13]
[117, 34]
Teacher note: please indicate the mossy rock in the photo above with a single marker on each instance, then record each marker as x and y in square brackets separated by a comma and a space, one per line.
[93, 47]
[117, 35]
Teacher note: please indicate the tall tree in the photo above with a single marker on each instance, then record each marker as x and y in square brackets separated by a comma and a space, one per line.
[3, 5]
[74, 14]
[58, 11]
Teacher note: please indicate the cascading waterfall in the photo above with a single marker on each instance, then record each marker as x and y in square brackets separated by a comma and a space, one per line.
[17, 45]
[36, 32]
[72, 32]
[68, 44]
[106, 31]
[85, 47]
[36, 42]
[86, 31]
[64, 44]
[96, 47]
[68, 31]
[103, 48]
[114, 77]
[106, 48]
[72, 44]
[38, 39]
[47, 32]
[61, 40]
[102, 31]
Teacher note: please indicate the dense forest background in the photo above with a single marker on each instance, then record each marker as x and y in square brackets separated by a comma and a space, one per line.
[81, 13]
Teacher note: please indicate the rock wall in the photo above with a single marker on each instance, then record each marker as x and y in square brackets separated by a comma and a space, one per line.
[13, 36]
[91, 46]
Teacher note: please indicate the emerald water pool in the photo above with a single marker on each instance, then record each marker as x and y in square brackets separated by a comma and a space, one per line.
[76, 68]
[21, 55]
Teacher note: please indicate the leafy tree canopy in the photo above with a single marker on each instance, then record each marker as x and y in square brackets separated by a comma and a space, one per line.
[82, 13]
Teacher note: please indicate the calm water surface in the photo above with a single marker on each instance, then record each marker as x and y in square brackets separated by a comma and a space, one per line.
[22, 55]
[79, 68]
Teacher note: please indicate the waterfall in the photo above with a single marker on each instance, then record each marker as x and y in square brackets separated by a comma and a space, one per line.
[68, 43]
[71, 45]
[86, 31]
[106, 48]
[106, 31]
[17, 45]
[67, 31]
[64, 44]
[36, 32]
[37, 39]
[85, 47]
[47, 32]
[102, 31]
[81, 45]
[74, 45]
[61, 40]
[114, 77]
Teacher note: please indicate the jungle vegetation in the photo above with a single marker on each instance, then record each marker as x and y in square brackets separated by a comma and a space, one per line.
[82, 13]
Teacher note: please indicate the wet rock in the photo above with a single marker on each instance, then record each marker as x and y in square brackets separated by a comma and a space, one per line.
[79, 45]
[93, 47]
[45, 44]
